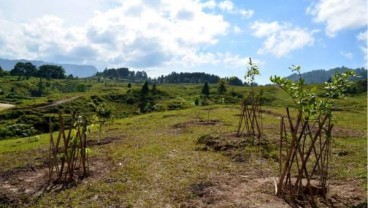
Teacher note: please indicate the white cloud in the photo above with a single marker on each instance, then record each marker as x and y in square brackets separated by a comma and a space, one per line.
[339, 14]
[229, 7]
[281, 39]
[262, 29]
[363, 37]
[226, 5]
[246, 13]
[347, 55]
[133, 33]
[211, 4]
[237, 30]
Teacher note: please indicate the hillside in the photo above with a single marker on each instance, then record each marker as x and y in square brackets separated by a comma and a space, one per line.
[74, 69]
[321, 75]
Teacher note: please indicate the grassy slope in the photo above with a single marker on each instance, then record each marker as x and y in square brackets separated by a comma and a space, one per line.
[154, 164]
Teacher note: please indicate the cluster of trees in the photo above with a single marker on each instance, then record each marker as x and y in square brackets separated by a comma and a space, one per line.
[186, 77]
[196, 77]
[173, 78]
[27, 70]
[123, 73]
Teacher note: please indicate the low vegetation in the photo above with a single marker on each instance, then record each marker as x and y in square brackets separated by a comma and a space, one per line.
[165, 145]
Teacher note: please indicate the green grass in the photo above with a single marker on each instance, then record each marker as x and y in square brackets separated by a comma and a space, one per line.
[154, 164]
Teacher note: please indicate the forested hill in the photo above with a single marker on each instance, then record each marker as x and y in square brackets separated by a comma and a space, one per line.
[321, 75]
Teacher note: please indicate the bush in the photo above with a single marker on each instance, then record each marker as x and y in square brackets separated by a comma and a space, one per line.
[176, 105]
[21, 130]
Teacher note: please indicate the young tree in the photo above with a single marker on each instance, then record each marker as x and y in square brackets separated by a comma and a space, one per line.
[221, 89]
[104, 115]
[154, 88]
[145, 89]
[206, 89]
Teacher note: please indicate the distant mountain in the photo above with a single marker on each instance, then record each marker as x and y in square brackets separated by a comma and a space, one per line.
[74, 69]
[321, 75]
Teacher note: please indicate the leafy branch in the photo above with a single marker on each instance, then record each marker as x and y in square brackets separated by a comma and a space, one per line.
[306, 101]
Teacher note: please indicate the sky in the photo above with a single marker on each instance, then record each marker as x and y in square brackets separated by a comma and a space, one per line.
[212, 36]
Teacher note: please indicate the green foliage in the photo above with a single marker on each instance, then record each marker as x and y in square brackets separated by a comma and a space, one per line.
[306, 100]
[51, 72]
[186, 77]
[3, 73]
[23, 70]
[251, 73]
[206, 89]
[322, 76]
[154, 88]
[235, 81]
[221, 89]
[145, 88]
[123, 73]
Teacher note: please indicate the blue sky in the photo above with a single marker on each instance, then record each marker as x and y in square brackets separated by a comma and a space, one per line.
[213, 36]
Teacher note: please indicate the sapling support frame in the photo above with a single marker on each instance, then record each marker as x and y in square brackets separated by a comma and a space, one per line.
[304, 157]
[250, 121]
[68, 157]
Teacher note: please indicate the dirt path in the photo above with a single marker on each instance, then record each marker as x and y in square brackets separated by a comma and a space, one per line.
[4, 106]
[59, 102]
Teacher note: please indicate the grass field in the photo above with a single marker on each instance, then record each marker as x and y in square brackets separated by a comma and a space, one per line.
[154, 159]
[154, 162]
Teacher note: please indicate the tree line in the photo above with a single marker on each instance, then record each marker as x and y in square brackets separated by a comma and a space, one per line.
[25, 70]
[123, 73]
[197, 77]
[173, 78]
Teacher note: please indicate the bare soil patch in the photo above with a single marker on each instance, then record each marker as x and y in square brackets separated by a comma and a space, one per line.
[20, 187]
[345, 132]
[253, 191]
[230, 145]
[104, 141]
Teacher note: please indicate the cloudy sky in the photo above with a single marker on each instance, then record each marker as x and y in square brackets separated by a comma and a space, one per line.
[213, 36]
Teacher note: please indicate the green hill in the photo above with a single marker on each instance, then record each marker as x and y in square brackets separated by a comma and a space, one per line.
[321, 75]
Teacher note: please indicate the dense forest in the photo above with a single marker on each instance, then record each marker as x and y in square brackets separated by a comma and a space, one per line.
[321, 75]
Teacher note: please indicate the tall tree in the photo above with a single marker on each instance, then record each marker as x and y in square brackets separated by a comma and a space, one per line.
[29, 70]
[18, 70]
[51, 71]
[206, 89]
